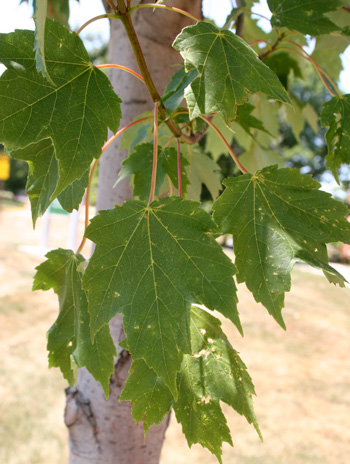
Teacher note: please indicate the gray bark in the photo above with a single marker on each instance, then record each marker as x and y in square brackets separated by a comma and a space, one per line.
[100, 431]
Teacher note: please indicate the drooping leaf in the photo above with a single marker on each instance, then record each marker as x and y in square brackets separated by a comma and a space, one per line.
[69, 341]
[70, 195]
[201, 170]
[139, 164]
[306, 16]
[175, 91]
[228, 68]
[212, 373]
[276, 217]
[202, 419]
[43, 176]
[150, 397]
[247, 120]
[40, 20]
[74, 114]
[336, 115]
[151, 263]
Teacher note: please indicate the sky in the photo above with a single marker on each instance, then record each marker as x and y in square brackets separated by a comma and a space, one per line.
[18, 16]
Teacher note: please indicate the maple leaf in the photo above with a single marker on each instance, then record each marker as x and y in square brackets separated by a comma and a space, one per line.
[43, 177]
[140, 162]
[276, 217]
[212, 373]
[202, 170]
[306, 16]
[228, 68]
[336, 115]
[150, 397]
[72, 116]
[174, 92]
[247, 121]
[151, 263]
[299, 115]
[69, 341]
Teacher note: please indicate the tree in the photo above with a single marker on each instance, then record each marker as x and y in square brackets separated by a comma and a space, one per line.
[156, 258]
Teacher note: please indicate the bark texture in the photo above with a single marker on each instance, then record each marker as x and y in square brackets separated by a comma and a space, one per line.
[100, 431]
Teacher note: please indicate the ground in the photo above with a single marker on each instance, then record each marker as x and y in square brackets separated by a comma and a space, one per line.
[302, 376]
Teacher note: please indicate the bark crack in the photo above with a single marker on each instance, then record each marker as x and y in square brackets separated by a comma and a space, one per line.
[77, 409]
[121, 368]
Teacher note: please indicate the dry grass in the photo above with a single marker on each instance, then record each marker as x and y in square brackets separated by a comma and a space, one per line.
[302, 377]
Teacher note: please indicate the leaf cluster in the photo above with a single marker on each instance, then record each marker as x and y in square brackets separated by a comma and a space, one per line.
[157, 262]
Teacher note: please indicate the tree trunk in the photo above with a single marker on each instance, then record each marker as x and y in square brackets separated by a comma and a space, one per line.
[100, 431]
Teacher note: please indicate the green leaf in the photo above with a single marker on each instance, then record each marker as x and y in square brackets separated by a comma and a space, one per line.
[336, 115]
[69, 341]
[297, 117]
[214, 144]
[39, 47]
[72, 196]
[137, 134]
[257, 158]
[175, 91]
[140, 163]
[282, 64]
[59, 10]
[267, 111]
[327, 53]
[248, 121]
[237, 129]
[276, 217]
[202, 170]
[253, 31]
[143, 133]
[43, 176]
[306, 16]
[202, 419]
[212, 373]
[74, 114]
[311, 117]
[151, 263]
[150, 397]
[228, 68]
[232, 16]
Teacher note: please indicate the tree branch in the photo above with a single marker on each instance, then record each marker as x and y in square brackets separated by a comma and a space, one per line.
[140, 59]
[240, 20]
